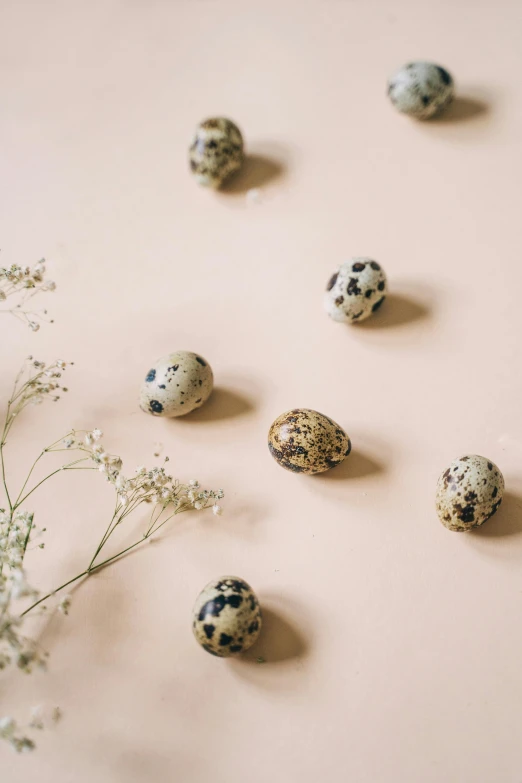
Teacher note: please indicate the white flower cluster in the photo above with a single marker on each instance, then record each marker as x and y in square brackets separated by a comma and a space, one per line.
[14, 734]
[146, 486]
[9, 731]
[16, 531]
[24, 282]
[35, 383]
[43, 382]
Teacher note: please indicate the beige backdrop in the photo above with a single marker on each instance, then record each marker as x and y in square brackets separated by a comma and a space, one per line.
[392, 646]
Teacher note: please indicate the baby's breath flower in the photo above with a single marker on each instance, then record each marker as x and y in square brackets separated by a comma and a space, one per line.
[217, 510]
[21, 283]
[8, 731]
[7, 726]
[36, 718]
[33, 386]
[166, 494]
[65, 605]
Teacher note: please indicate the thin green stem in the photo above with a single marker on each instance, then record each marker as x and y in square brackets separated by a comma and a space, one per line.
[103, 540]
[87, 572]
[29, 529]
[4, 480]
[42, 453]
[133, 504]
[66, 584]
[112, 527]
[58, 470]
[2, 461]
[16, 503]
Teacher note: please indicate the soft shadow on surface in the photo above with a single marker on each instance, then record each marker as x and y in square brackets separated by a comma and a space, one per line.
[356, 465]
[223, 403]
[280, 640]
[506, 522]
[462, 109]
[256, 171]
[396, 310]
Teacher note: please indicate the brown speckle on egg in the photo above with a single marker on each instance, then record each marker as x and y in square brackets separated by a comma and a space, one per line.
[216, 151]
[469, 492]
[305, 441]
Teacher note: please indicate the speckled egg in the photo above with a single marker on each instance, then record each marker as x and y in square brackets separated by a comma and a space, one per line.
[355, 291]
[216, 151]
[227, 617]
[421, 89]
[176, 385]
[469, 492]
[305, 441]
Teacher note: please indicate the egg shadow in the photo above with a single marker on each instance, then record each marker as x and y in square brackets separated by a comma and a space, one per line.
[397, 310]
[280, 640]
[357, 464]
[223, 403]
[506, 522]
[257, 171]
[462, 109]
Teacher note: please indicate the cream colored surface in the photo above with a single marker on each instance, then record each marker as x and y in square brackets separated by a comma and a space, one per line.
[392, 645]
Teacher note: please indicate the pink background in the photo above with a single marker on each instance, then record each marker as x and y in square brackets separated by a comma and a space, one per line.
[392, 646]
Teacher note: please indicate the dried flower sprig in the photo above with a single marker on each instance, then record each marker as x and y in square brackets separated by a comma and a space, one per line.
[10, 731]
[23, 283]
[165, 495]
[154, 487]
[17, 737]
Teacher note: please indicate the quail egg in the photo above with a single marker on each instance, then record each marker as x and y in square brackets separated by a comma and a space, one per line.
[176, 384]
[355, 291]
[216, 151]
[421, 89]
[305, 441]
[227, 617]
[469, 492]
